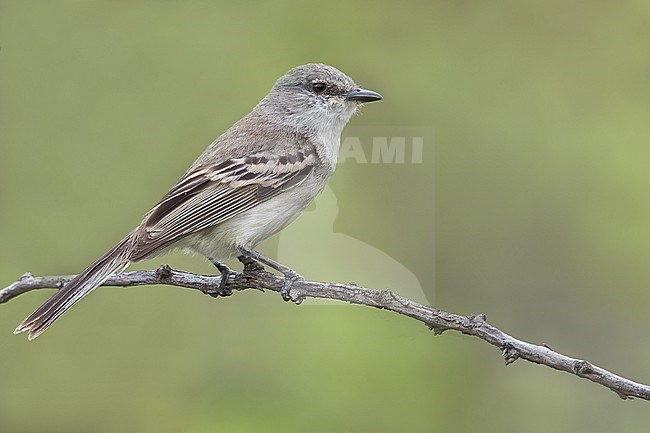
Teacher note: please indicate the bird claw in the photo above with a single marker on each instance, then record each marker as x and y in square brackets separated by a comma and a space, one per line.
[223, 290]
[290, 276]
[226, 273]
[289, 280]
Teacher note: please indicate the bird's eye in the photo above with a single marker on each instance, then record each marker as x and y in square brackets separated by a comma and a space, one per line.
[319, 87]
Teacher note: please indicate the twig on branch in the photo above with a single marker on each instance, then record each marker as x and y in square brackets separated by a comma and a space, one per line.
[254, 276]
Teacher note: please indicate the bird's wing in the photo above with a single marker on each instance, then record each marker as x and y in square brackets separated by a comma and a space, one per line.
[211, 194]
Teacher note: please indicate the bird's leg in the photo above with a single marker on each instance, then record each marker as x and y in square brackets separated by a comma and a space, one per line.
[290, 276]
[226, 272]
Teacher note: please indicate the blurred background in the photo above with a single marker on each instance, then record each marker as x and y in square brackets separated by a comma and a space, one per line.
[530, 204]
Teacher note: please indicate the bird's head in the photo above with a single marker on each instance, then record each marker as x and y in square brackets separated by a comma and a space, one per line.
[316, 97]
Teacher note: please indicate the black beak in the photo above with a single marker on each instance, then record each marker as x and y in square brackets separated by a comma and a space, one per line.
[362, 95]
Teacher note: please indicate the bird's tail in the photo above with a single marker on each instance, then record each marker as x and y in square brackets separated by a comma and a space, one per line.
[113, 261]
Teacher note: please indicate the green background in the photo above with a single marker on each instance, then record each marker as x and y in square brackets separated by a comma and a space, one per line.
[531, 206]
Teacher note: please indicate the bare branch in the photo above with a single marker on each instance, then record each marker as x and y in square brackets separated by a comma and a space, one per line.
[255, 277]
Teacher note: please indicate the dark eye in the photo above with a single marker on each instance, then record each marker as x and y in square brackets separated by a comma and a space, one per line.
[319, 87]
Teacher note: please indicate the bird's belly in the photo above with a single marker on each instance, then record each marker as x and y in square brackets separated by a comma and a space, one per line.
[249, 228]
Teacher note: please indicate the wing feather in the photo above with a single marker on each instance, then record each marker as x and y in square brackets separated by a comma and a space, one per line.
[211, 194]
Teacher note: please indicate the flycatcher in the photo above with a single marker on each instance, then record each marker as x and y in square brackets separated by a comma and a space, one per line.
[249, 183]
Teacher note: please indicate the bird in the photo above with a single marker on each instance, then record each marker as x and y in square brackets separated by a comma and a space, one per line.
[248, 184]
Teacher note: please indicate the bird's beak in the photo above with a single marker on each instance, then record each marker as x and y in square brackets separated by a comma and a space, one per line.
[362, 95]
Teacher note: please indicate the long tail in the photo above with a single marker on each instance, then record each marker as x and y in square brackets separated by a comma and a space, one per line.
[113, 261]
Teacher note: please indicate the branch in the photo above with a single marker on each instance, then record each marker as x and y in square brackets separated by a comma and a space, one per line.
[254, 276]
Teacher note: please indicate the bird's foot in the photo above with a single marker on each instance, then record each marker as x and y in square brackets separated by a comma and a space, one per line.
[289, 279]
[226, 274]
[290, 276]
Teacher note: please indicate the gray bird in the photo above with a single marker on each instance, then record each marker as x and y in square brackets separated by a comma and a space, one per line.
[249, 183]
